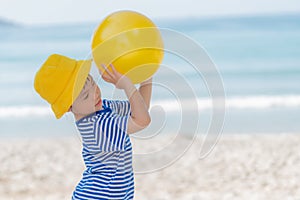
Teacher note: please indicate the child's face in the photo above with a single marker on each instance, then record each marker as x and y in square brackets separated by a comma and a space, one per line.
[89, 99]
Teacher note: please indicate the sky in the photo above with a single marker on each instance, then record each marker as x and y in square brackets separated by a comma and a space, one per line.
[78, 11]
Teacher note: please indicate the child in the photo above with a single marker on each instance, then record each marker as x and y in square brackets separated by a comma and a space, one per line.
[104, 125]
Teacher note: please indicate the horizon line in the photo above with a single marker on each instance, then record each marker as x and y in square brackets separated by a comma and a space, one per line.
[9, 22]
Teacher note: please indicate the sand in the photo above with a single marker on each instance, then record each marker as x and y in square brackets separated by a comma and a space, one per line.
[240, 167]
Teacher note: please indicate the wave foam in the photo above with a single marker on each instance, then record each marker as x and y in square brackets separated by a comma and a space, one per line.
[25, 111]
[238, 102]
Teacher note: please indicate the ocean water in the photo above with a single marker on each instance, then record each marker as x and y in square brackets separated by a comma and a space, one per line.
[258, 59]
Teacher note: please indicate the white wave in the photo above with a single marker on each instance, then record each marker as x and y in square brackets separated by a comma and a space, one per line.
[171, 105]
[25, 111]
[237, 102]
[260, 102]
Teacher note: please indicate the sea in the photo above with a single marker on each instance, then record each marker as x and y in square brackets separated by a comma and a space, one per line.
[255, 58]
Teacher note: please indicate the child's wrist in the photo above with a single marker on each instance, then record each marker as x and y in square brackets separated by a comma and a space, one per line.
[146, 82]
[130, 89]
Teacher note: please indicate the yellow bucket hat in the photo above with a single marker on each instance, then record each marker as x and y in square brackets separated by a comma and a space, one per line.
[60, 80]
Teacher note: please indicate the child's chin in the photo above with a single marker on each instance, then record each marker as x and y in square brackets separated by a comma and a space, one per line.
[98, 107]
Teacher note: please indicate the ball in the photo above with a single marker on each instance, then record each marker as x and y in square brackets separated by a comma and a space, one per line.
[131, 42]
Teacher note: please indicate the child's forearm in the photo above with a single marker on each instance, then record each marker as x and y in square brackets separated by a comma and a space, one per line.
[145, 90]
[138, 108]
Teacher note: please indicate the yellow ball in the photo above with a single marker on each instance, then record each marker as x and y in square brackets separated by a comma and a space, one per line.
[131, 42]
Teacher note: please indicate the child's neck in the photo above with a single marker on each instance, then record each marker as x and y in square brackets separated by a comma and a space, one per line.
[80, 116]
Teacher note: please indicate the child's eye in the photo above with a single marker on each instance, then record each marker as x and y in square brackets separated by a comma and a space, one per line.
[86, 96]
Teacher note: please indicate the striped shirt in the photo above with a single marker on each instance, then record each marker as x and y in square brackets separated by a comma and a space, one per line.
[107, 154]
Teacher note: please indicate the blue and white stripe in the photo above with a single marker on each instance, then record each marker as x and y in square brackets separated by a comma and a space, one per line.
[107, 153]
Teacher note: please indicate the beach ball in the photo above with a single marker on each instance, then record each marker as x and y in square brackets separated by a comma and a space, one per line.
[131, 42]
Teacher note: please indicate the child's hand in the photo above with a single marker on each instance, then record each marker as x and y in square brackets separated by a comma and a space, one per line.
[119, 80]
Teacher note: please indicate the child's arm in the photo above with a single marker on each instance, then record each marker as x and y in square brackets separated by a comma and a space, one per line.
[139, 118]
[146, 91]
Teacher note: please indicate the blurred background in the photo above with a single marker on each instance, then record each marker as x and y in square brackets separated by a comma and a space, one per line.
[254, 44]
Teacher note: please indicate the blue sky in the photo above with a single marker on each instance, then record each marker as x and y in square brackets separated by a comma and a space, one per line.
[61, 11]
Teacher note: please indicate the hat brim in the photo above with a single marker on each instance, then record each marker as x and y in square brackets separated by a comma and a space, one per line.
[73, 88]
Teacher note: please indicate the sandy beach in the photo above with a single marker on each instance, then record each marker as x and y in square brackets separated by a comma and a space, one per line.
[240, 167]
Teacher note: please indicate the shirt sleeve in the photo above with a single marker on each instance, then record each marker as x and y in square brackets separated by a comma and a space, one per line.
[121, 107]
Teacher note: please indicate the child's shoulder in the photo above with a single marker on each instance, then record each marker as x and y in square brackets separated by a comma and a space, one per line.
[95, 116]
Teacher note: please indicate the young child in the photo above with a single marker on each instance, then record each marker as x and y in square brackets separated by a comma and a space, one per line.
[104, 125]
